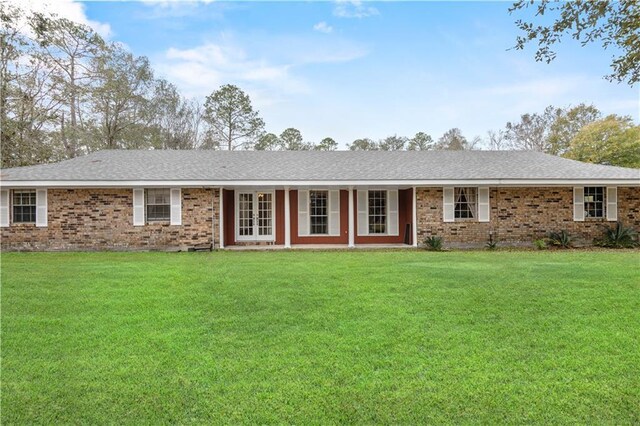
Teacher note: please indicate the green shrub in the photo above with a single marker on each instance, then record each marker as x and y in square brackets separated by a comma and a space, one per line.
[491, 245]
[560, 239]
[433, 243]
[618, 236]
[541, 244]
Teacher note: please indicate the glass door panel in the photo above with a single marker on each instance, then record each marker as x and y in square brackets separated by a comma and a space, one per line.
[245, 215]
[265, 213]
[254, 216]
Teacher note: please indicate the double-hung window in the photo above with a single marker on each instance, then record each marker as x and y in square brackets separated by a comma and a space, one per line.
[377, 212]
[594, 205]
[158, 204]
[319, 212]
[466, 206]
[24, 206]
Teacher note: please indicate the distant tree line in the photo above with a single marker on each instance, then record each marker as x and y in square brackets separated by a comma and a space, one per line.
[580, 132]
[65, 91]
[451, 140]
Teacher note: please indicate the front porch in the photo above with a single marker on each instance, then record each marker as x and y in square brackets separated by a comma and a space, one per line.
[274, 247]
[317, 217]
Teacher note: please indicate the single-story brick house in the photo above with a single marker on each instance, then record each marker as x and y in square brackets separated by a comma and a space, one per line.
[120, 200]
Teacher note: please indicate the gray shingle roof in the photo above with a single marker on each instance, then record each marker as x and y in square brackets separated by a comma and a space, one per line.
[223, 166]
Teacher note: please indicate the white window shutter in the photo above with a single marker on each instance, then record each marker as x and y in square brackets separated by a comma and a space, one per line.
[447, 205]
[138, 207]
[392, 212]
[483, 204]
[303, 213]
[4, 207]
[578, 204]
[176, 206]
[41, 207]
[612, 203]
[334, 212]
[363, 217]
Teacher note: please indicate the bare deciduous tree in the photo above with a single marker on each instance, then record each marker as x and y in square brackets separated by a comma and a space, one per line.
[497, 140]
[531, 133]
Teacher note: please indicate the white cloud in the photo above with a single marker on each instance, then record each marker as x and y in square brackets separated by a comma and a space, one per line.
[353, 9]
[162, 9]
[69, 9]
[323, 27]
[258, 64]
[171, 3]
[216, 63]
[200, 70]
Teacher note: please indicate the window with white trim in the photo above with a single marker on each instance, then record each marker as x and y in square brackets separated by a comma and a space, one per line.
[377, 212]
[594, 203]
[158, 204]
[466, 203]
[24, 206]
[319, 212]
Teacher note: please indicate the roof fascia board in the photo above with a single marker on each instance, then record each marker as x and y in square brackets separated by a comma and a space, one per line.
[258, 183]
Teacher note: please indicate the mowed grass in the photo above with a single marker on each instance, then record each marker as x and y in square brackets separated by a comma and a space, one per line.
[321, 337]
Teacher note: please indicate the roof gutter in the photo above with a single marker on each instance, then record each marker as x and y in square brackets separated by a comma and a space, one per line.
[316, 183]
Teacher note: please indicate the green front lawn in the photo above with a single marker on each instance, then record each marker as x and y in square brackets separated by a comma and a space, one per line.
[321, 337]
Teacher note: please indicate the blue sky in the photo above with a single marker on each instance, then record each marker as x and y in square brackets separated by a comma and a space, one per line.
[349, 70]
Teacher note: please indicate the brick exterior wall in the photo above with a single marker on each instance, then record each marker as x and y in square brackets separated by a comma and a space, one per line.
[102, 219]
[519, 216]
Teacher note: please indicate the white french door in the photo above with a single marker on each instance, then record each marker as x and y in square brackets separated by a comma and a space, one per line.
[254, 216]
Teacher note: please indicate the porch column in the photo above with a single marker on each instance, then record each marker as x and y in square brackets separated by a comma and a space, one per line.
[351, 224]
[414, 228]
[287, 219]
[221, 221]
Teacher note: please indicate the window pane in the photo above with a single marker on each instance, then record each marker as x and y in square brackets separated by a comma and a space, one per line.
[319, 212]
[594, 205]
[465, 203]
[24, 206]
[158, 212]
[158, 196]
[24, 214]
[377, 212]
[158, 204]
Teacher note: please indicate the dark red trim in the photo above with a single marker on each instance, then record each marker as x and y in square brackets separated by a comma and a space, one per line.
[279, 219]
[405, 215]
[229, 217]
[316, 239]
